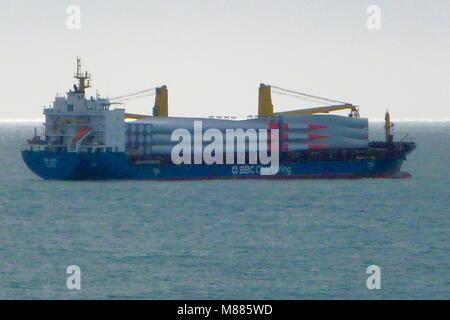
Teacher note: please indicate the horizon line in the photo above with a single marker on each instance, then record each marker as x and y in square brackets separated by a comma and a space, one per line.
[370, 120]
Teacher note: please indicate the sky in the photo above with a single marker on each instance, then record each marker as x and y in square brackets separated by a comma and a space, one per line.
[213, 54]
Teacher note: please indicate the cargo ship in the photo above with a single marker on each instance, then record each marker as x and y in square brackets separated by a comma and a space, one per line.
[94, 138]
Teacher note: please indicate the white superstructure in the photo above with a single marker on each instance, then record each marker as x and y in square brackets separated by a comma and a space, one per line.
[76, 124]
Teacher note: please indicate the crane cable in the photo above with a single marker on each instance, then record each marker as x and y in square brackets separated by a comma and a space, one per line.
[299, 97]
[301, 94]
[135, 97]
[142, 93]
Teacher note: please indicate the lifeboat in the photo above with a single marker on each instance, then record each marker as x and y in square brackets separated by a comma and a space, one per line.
[81, 133]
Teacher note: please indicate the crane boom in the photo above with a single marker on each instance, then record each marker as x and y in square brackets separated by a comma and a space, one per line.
[135, 116]
[161, 108]
[326, 109]
[265, 106]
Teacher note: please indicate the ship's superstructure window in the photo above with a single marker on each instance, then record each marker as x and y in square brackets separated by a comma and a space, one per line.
[70, 107]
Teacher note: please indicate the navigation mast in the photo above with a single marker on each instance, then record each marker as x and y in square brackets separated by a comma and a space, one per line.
[84, 79]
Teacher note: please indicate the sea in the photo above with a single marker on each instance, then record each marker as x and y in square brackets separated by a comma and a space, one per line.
[233, 239]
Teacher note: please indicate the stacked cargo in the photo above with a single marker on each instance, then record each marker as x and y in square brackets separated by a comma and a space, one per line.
[304, 132]
[296, 132]
[162, 129]
[138, 136]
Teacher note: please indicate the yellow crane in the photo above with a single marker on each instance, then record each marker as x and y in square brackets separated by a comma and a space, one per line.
[160, 109]
[135, 116]
[265, 106]
[328, 109]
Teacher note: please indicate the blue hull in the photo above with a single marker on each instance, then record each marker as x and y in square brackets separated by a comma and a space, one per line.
[101, 166]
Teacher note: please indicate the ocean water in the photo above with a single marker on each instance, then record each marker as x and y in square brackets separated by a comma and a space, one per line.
[304, 239]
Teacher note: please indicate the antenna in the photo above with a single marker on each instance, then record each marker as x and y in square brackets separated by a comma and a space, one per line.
[84, 79]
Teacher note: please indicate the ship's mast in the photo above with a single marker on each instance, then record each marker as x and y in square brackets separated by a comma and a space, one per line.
[388, 126]
[84, 79]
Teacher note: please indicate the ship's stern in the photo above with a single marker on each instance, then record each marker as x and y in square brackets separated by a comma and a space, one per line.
[51, 165]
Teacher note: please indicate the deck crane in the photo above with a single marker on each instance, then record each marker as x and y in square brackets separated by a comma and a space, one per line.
[160, 108]
[265, 106]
